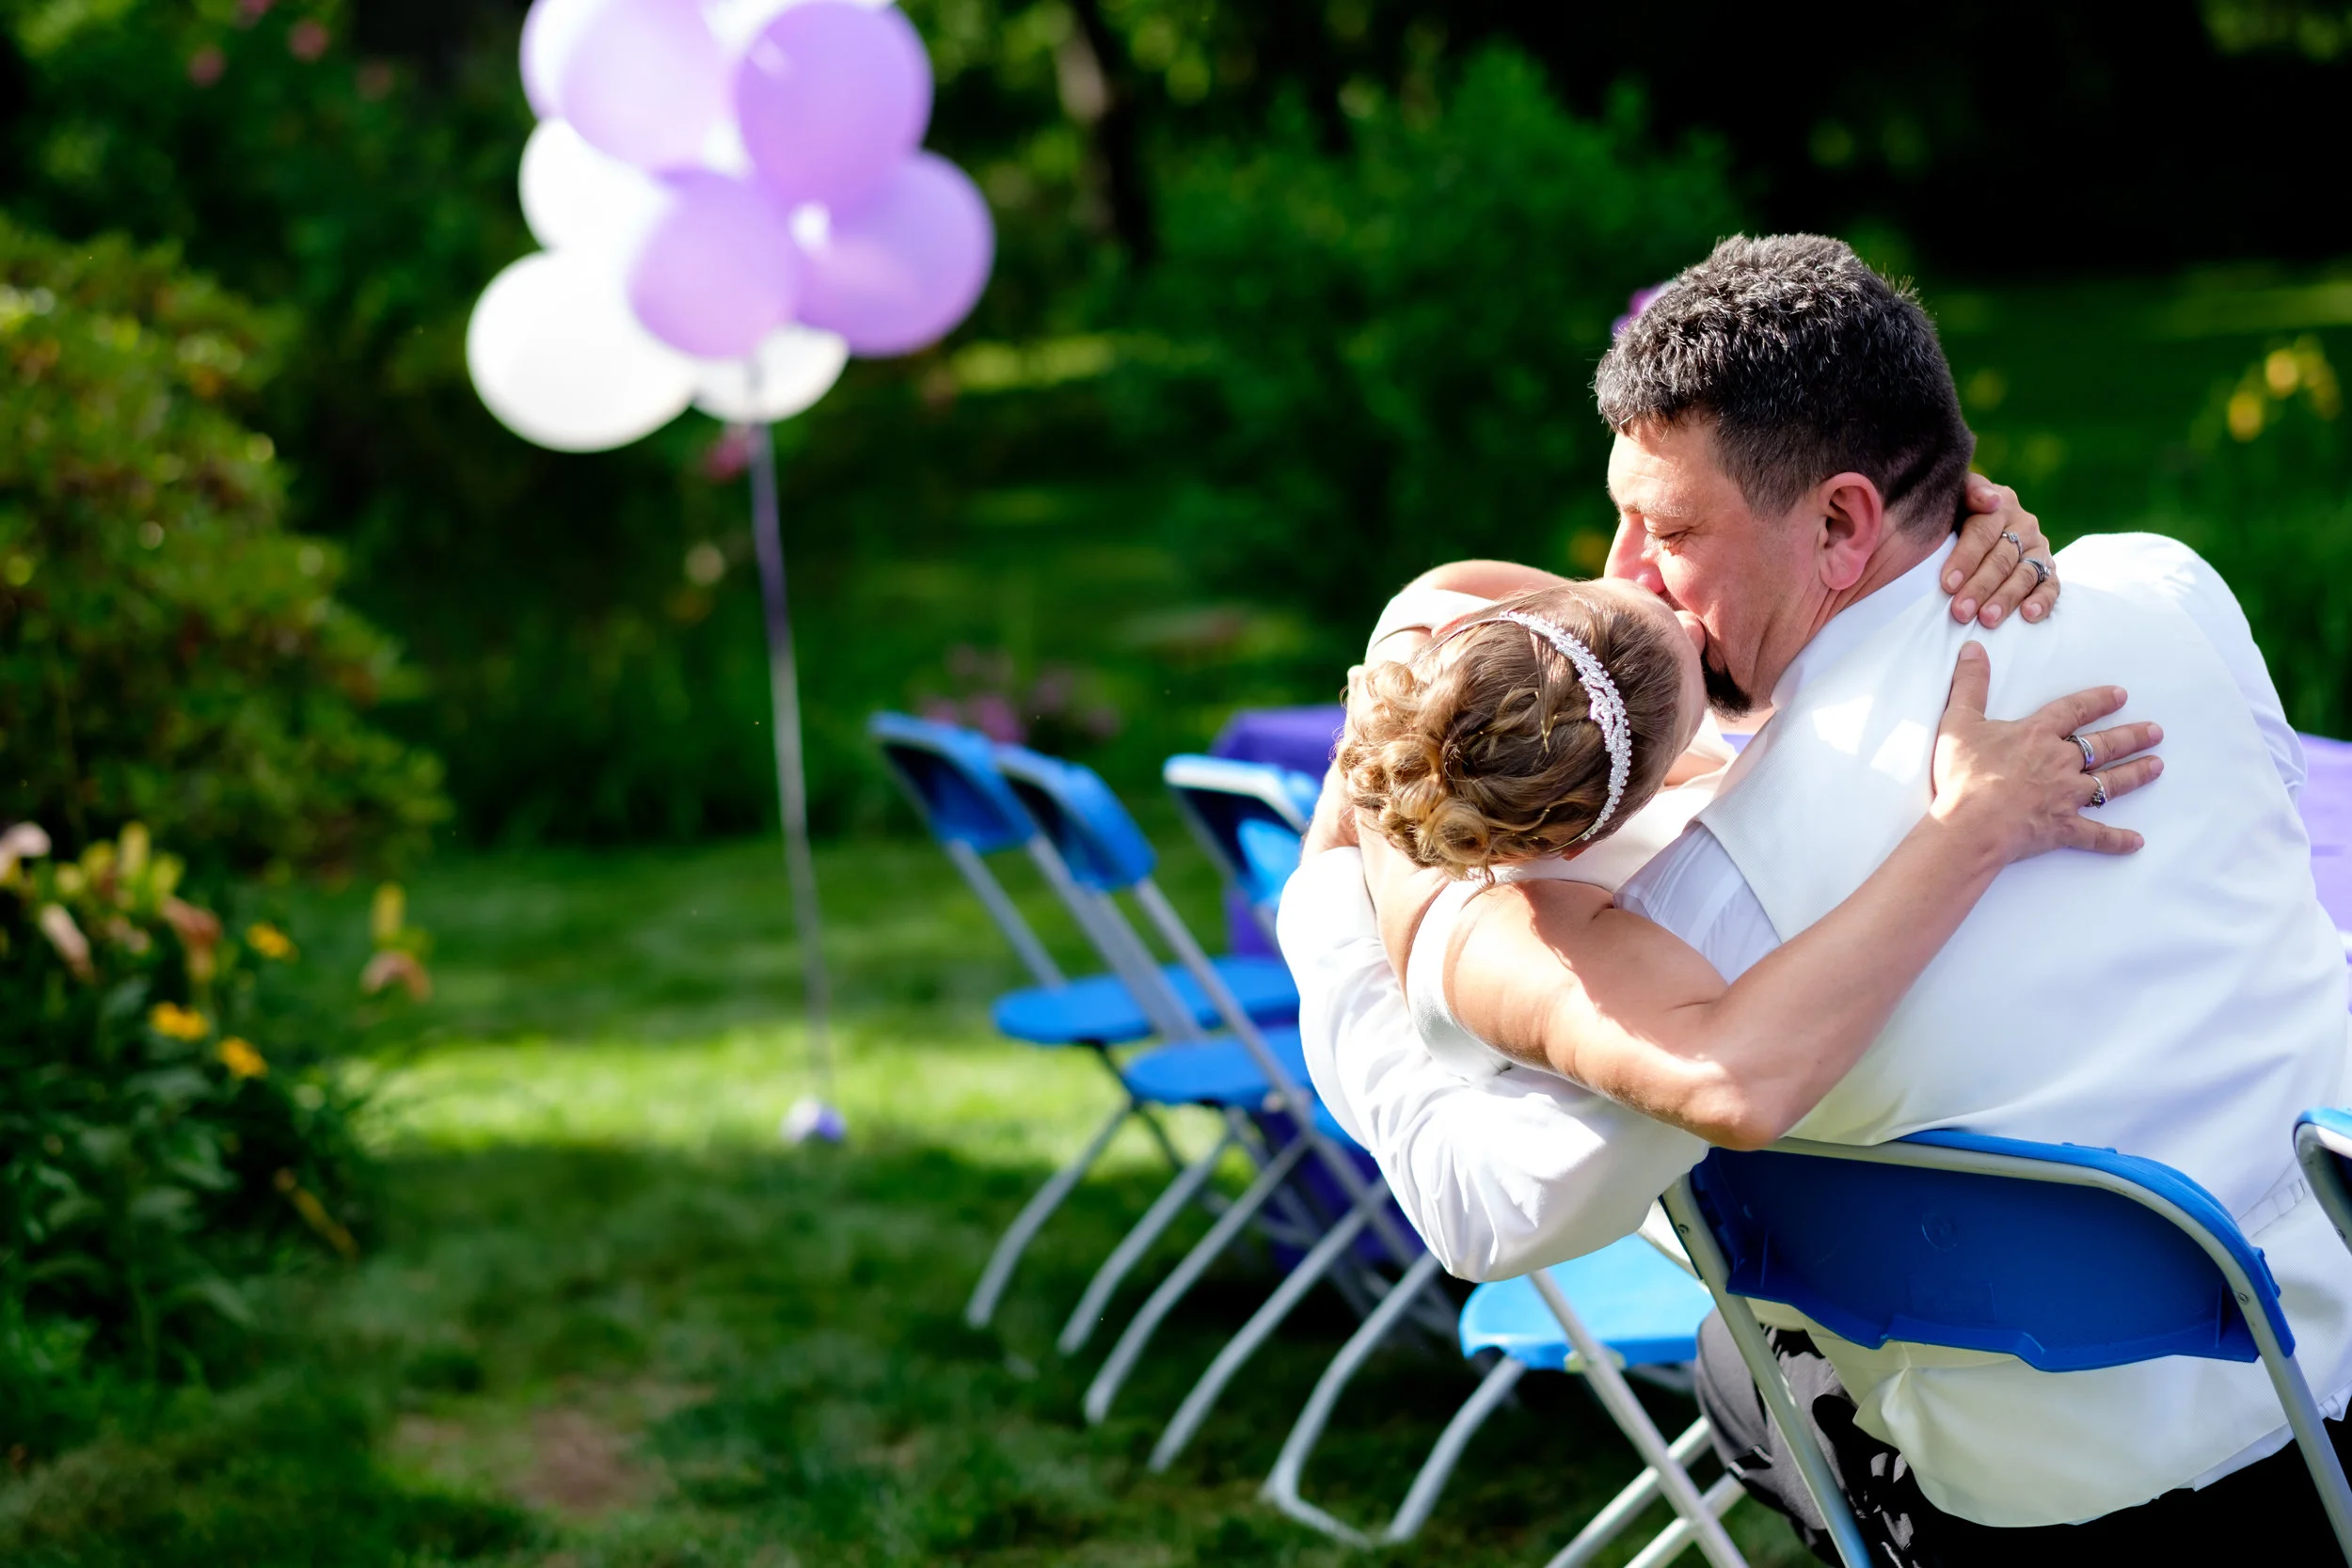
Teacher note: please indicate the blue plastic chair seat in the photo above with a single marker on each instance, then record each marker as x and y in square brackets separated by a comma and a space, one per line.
[1633, 1300]
[1210, 1072]
[1099, 1009]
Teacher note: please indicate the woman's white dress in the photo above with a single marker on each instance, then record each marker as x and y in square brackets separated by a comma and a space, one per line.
[1605, 864]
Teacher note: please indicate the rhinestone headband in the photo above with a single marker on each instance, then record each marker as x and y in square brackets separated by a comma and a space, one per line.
[1603, 704]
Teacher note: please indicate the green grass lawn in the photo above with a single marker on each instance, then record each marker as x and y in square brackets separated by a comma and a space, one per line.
[608, 1318]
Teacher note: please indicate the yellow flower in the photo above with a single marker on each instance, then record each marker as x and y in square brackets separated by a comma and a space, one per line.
[241, 1059]
[181, 1023]
[387, 913]
[269, 942]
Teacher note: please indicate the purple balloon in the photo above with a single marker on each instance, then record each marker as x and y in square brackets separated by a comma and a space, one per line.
[898, 270]
[645, 81]
[718, 271]
[831, 97]
[549, 32]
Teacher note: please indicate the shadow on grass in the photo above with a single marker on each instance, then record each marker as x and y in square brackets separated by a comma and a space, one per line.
[574, 1357]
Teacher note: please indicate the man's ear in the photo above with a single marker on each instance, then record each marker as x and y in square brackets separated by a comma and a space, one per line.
[1853, 520]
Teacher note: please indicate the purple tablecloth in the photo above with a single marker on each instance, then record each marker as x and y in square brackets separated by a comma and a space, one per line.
[1301, 739]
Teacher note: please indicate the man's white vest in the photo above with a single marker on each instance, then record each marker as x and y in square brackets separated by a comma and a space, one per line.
[2183, 1003]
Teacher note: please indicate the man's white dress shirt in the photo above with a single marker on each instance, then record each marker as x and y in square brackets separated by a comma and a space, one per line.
[1520, 1170]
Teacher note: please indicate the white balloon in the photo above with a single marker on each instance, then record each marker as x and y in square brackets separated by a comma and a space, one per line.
[739, 21]
[578, 198]
[794, 366]
[549, 31]
[556, 355]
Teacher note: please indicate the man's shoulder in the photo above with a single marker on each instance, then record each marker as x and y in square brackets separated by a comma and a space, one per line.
[2126, 560]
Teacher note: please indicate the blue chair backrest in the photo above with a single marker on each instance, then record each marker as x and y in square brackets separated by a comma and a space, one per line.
[1075, 809]
[2064, 1277]
[1252, 816]
[952, 774]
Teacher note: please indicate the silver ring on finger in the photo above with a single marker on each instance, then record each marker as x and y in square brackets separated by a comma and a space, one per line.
[2098, 793]
[2041, 573]
[2090, 758]
[2014, 539]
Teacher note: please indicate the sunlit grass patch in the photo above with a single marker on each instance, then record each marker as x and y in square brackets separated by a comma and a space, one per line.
[611, 1321]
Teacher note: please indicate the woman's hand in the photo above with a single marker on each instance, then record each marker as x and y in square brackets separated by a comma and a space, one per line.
[1986, 575]
[2025, 784]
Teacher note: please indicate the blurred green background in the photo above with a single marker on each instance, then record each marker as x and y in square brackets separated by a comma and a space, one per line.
[1291, 300]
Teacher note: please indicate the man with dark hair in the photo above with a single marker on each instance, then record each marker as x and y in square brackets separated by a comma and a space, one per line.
[1808, 362]
[1787, 359]
[1788, 463]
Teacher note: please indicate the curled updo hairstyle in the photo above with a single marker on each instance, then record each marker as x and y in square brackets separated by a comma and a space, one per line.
[1483, 750]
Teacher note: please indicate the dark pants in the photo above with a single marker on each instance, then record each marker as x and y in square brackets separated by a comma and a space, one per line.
[2267, 1513]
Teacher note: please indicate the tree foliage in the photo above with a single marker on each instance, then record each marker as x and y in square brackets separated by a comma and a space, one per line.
[1381, 356]
[168, 652]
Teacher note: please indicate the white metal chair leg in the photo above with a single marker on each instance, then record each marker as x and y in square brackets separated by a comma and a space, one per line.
[1281, 1486]
[1394, 1239]
[1243, 1345]
[1672, 1540]
[1162, 1300]
[1439, 1467]
[1617, 1396]
[1639, 1494]
[1032, 1218]
[1131, 1246]
[1771, 1380]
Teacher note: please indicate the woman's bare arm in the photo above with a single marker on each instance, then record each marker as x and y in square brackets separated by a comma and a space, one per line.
[1553, 973]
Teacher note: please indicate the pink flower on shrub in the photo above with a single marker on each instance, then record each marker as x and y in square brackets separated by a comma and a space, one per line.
[994, 717]
[306, 39]
[205, 66]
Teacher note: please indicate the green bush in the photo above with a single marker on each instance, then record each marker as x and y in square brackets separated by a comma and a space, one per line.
[1382, 357]
[355, 166]
[169, 653]
[2267, 497]
[164, 1135]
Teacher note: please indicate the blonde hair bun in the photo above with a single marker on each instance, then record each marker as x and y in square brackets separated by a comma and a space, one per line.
[1485, 749]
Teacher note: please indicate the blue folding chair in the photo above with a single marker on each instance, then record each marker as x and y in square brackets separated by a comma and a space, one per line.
[1624, 1308]
[2323, 1144]
[1107, 855]
[951, 776]
[2067, 1258]
[1250, 817]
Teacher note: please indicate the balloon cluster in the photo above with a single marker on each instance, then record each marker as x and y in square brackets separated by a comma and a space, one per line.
[734, 199]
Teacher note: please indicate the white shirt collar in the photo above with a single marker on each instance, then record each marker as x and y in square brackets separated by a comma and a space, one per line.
[1851, 626]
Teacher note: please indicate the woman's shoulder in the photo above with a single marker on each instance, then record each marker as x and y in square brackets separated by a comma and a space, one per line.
[1421, 608]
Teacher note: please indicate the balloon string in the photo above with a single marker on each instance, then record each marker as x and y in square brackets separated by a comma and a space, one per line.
[784, 693]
